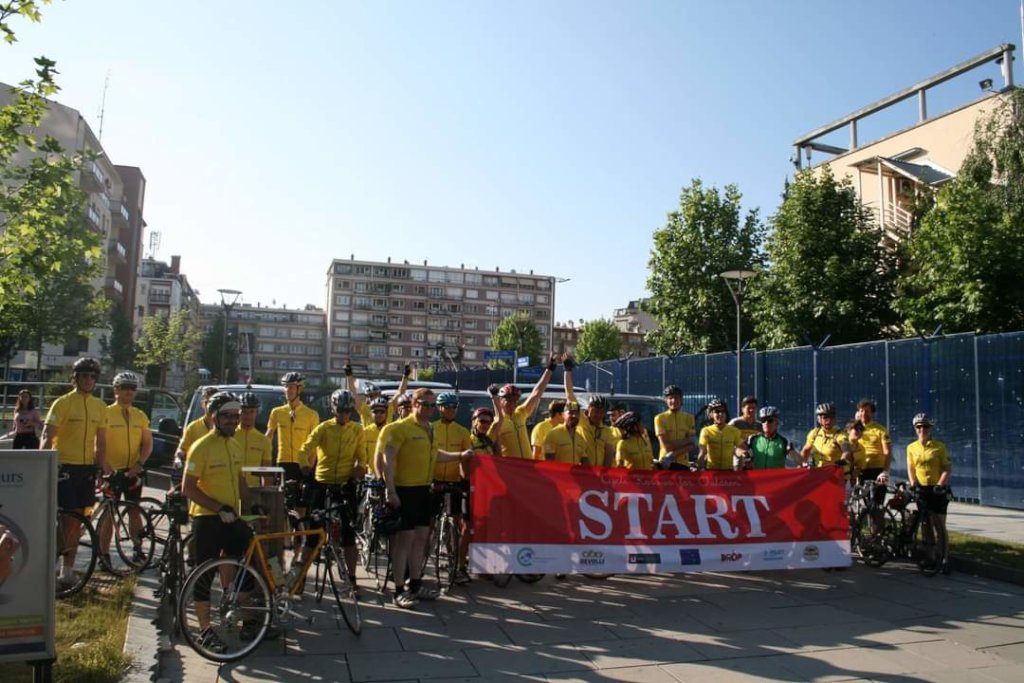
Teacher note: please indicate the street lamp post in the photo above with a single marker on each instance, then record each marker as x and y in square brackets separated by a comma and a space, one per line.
[736, 281]
[228, 299]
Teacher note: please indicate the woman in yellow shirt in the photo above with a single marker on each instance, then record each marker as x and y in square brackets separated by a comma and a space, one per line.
[928, 468]
[633, 451]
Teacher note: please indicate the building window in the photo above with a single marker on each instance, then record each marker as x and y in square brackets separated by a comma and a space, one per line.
[362, 302]
[417, 336]
[418, 275]
[342, 300]
[435, 276]
[339, 347]
[416, 353]
[342, 268]
[437, 291]
[298, 334]
[341, 332]
[397, 303]
[264, 347]
[395, 319]
[419, 305]
[377, 350]
[491, 295]
[473, 278]
[395, 351]
[472, 294]
[266, 331]
[469, 355]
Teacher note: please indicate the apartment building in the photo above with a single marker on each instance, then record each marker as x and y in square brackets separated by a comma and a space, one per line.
[633, 319]
[114, 211]
[382, 315]
[162, 289]
[273, 341]
[567, 336]
[889, 172]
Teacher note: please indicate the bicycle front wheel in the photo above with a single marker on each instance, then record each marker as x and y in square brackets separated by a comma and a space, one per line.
[344, 590]
[224, 610]
[130, 534]
[446, 553]
[76, 553]
[871, 541]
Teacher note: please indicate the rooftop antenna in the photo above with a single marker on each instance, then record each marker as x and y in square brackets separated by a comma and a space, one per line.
[103, 103]
[154, 244]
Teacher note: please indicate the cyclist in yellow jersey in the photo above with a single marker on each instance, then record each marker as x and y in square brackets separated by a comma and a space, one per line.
[877, 447]
[541, 429]
[515, 442]
[823, 445]
[632, 451]
[453, 437]
[76, 427]
[746, 421]
[257, 449]
[335, 448]
[194, 430]
[853, 448]
[410, 453]
[373, 393]
[129, 445]
[719, 442]
[566, 443]
[217, 492]
[600, 445]
[403, 406]
[674, 430]
[379, 409]
[929, 468]
[292, 423]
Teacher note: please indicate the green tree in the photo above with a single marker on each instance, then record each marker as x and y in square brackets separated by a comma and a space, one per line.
[517, 332]
[966, 256]
[49, 254]
[213, 351]
[704, 237]
[165, 341]
[117, 343]
[829, 274]
[599, 340]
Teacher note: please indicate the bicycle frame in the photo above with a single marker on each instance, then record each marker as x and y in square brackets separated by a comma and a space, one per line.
[256, 557]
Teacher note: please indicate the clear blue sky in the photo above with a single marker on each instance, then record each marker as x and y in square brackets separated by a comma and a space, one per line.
[552, 136]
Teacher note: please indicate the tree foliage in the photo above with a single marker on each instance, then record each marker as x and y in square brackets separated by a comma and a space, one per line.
[214, 350]
[166, 341]
[829, 274]
[967, 255]
[599, 340]
[517, 332]
[703, 238]
[49, 254]
[118, 344]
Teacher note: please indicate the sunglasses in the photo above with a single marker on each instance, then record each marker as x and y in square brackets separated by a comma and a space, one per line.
[770, 419]
[922, 426]
[379, 410]
[127, 387]
[427, 404]
[92, 375]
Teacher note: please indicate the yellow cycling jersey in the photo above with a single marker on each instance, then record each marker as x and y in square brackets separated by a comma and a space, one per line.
[194, 430]
[540, 432]
[675, 426]
[77, 417]
[928, 461]
[858, 454]
[515, 442]
[257, 451]
[634, 453]
[337, 449]
[454, 438]
[366, 414]
[874, 439]
[596, 437]
[125, 426]
[371, 433]
[293, 427]
[415, 451]
[216, 461]
[826, 448]
[567, 446]
[720, 444]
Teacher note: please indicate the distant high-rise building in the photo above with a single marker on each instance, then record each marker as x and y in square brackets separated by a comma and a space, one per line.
[382, 315]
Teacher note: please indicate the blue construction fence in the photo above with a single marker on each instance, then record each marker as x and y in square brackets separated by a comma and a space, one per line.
[972, 385]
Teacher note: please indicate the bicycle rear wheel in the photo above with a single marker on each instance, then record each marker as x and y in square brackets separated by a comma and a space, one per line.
[379, 564]
[344, 591]
[80, 552]
[446, 553]
[239, 609]
[871, 544]
[131, 541]
[172, 574]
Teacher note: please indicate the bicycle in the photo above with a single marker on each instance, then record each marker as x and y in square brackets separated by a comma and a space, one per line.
[339, 512]
[245, 597]
[134, 547]
[446, 536]
[84, 562]
[903, 534]
[867, 520]
[173, 564]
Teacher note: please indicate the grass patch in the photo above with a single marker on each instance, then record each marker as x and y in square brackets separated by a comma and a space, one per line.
[91, 628]
[986, 550]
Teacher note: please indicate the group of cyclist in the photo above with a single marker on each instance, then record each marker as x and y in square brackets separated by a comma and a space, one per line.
[396, 440]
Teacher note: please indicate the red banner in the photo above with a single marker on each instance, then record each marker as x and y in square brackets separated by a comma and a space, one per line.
[543, 517]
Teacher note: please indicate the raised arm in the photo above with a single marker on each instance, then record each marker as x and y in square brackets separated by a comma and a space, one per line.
[533, 400]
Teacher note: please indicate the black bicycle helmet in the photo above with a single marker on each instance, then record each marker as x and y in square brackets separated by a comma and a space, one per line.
[220, 401]
[85, 365]
[627, 421]
[249, 400]
[126, 379]
[716, 404]
[342, 400]
[827, 409]
[292, 378]
[379, 403]
[672, 390]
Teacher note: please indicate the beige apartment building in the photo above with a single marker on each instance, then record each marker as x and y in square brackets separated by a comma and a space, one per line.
[162, 289]
[116, 196]
[273, 341]
[382, 315]
[567, 336]
[888, 172]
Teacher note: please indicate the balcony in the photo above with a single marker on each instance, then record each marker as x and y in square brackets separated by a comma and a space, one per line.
[119, 212]
[93, 178]
[113, 287]
[159, 298]
[118, 251]
[94, 218]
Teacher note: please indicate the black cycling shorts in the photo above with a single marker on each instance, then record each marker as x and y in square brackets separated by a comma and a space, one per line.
[935, 502]
[76, 487]
[417, 506]
[133, 488]
[212, 537]
[459, 498]
[870, 475]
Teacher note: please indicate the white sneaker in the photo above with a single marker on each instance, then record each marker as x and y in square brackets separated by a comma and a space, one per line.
[65, 577]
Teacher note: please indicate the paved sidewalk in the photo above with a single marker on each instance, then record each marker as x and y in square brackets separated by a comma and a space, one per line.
[1001, 524]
